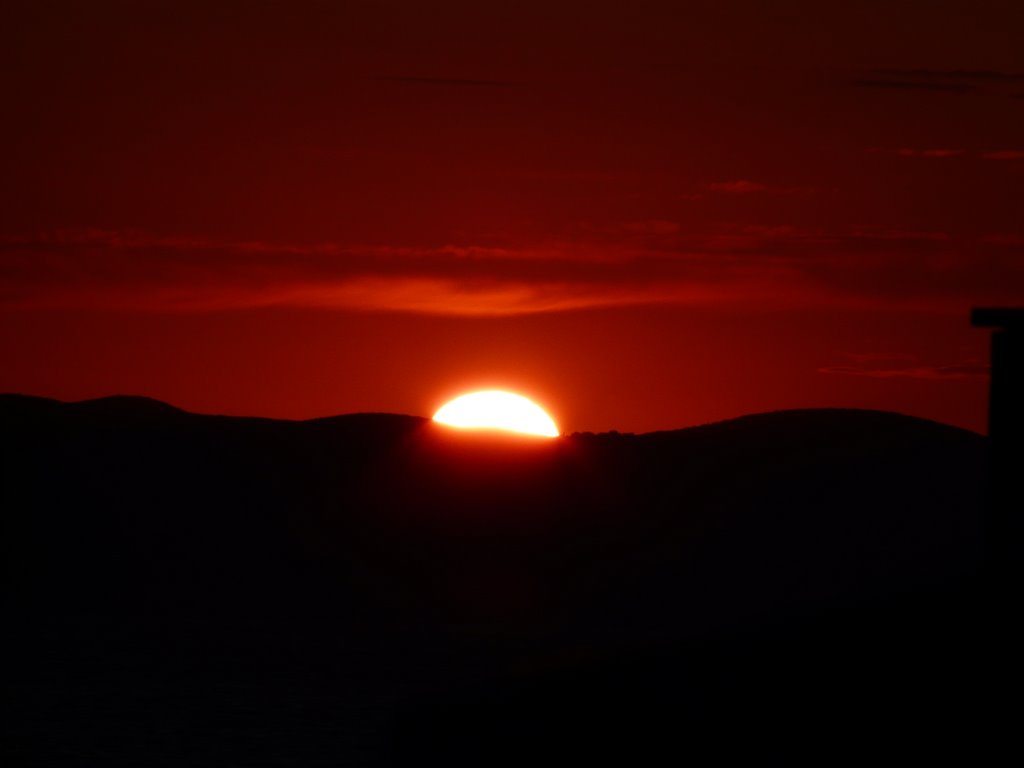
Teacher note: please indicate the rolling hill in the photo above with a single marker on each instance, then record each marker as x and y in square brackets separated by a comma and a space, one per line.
[533, 590]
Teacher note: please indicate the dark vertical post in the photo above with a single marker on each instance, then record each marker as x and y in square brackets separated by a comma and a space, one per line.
[1003, 535]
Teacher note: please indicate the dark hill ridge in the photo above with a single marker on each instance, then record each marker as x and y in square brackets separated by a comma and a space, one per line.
[823, 552]
[125, 407]
[181, 505]
[116, 407]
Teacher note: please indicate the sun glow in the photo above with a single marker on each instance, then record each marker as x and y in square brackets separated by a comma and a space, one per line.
[494, 409]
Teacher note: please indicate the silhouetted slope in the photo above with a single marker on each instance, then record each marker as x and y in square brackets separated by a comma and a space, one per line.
[499, 582]
[113, 498]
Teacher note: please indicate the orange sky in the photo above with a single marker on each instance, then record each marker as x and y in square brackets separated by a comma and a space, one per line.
[645, 216]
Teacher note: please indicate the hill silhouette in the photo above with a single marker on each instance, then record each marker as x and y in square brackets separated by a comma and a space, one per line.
[429, 595]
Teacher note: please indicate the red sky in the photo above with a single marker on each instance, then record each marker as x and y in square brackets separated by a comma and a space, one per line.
[646, 215]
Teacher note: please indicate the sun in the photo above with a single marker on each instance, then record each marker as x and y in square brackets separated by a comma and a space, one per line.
[494, 409]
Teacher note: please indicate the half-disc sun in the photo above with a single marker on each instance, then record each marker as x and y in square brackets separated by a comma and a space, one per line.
[494, 409]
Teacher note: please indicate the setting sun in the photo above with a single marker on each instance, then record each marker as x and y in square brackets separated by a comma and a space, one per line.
[494, 409]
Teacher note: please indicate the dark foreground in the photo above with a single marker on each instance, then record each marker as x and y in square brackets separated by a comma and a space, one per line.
[373, 590]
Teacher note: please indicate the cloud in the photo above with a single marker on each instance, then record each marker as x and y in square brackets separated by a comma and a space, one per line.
[879, 357]
[651, 227]
[1005, 154]
[940, 80]
[739, 187]
[954, 75]
[900, 365]
[780, 267]
[746, 187]
[1010, 241]
[930, 153]
[132, 271]
[944, 153]
[910, 85]
[455, 82]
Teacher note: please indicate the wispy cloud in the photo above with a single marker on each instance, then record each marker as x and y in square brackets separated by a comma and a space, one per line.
[937, 153]
[940, 80]
[893, 84]
[738, 187]
[748, 187]
[929, 153]
[1007, 240]
[879, 357]
[954, 75]
[946, 153]
[456, 82]
[651, 227]
[902, 365]
[1005, 154]
[657, 263]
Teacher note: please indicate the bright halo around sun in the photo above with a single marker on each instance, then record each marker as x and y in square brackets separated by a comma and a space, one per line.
[494, 409]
